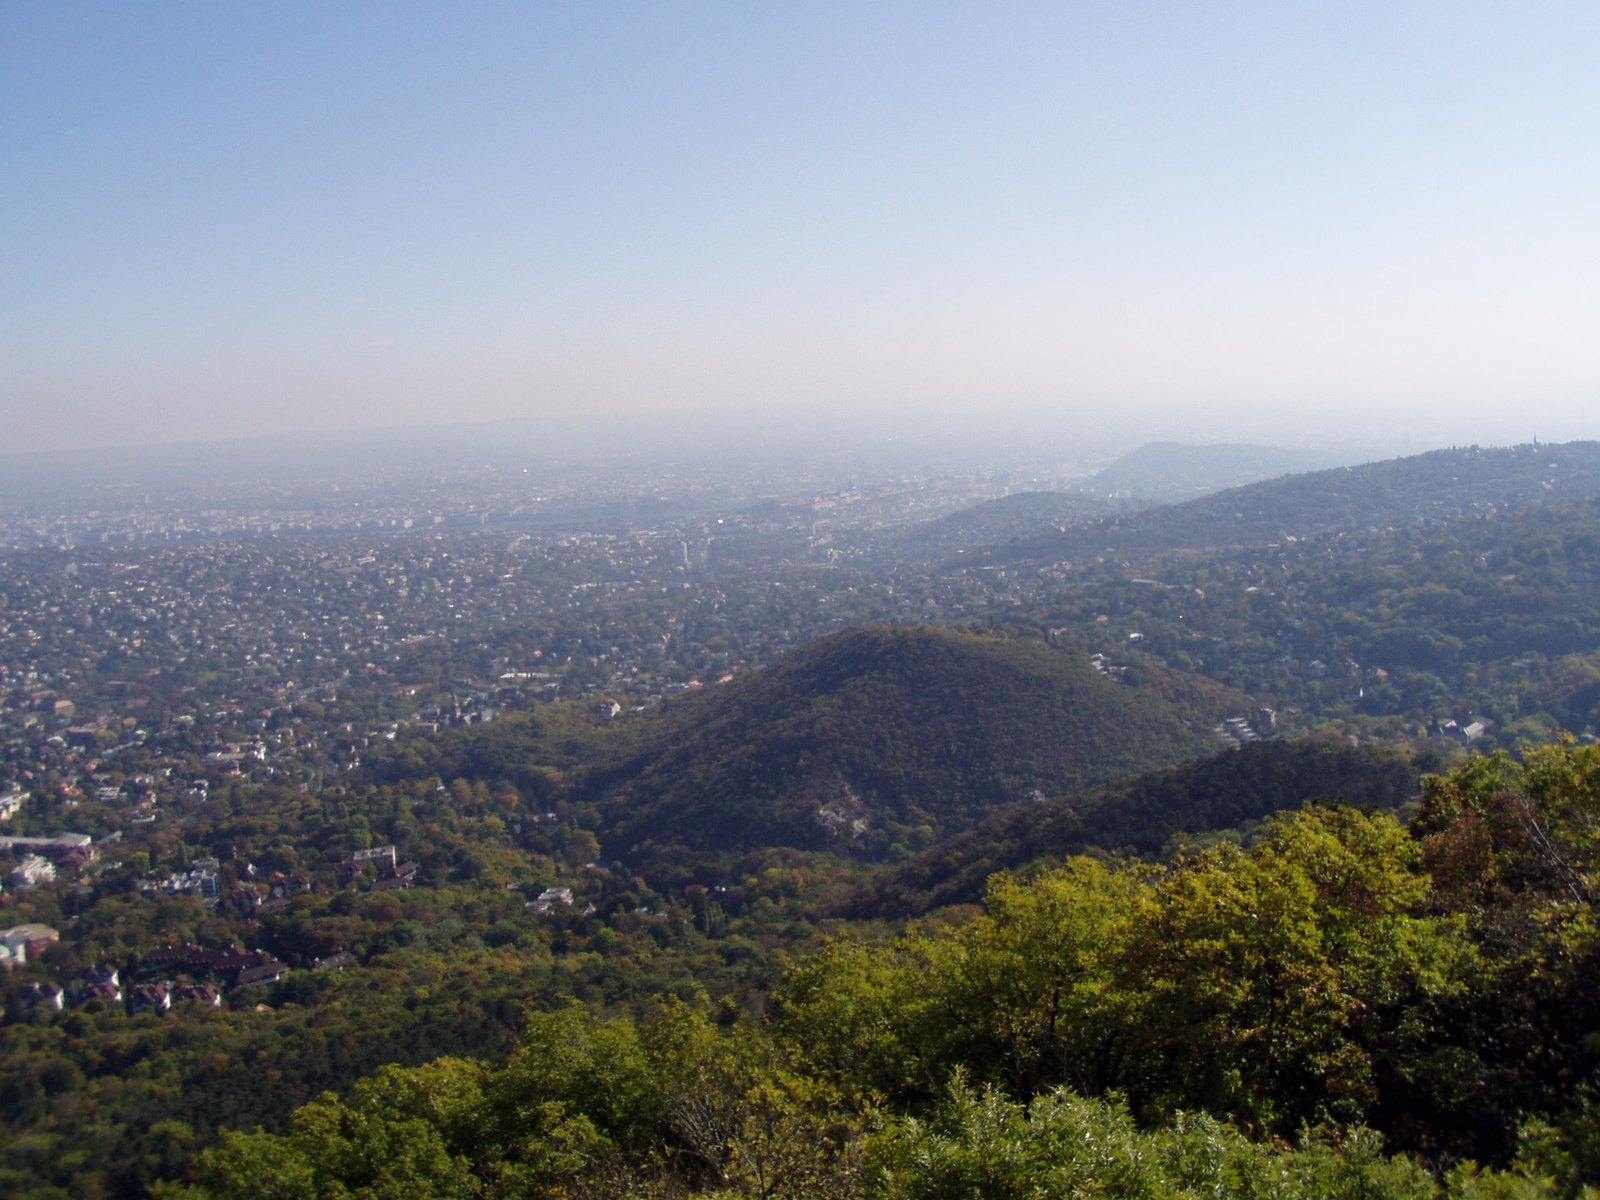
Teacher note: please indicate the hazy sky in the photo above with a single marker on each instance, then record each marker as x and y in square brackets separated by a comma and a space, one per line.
[1264, 219]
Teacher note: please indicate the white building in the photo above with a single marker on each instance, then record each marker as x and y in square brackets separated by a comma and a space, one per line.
[23, 940]
[549, 898]
[33, 870]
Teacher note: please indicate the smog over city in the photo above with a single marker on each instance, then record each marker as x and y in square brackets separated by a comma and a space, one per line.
[719, 600]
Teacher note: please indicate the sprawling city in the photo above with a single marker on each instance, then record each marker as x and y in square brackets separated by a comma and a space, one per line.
[727, 602]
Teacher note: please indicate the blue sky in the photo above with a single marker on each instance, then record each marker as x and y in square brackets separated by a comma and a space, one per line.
[1271, 220]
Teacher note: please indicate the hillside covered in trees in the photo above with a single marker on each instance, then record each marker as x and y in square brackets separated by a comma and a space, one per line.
[1386, 632]
[1439, 485]
[1352, 1007]
[1224, 794]
[865, 742]
[878, 735]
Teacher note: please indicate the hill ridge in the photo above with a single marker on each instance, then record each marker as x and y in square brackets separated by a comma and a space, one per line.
[1402, 491]
[869, 734]
[1141, 815]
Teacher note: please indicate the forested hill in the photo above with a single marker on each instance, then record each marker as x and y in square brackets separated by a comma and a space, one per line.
[1142, 815]
[1402, 491]
[893, 734]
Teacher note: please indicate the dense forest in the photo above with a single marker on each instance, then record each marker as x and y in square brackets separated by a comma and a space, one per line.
[1384, 630]
[1154, 815]
[1352, 1006]
[882, 736]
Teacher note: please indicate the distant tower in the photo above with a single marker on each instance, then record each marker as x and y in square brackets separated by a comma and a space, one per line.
[683, 554]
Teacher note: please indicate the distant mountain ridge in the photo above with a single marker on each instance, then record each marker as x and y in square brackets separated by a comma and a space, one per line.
[865, 735]
[1154, 474]
[1171, 472]
[1403, 491]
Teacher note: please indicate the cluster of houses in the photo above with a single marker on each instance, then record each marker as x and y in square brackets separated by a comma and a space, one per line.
[1104, 666]
[251, 897]
[264, 896]
[1241, 731]
[392, 875]
[237, 966]
[1236, 732]
[160, 997]
[199, 880]
[104, 983]
[1464, 732]
[234, 967]
[233, 758]
[552, 899]
[549, 898]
